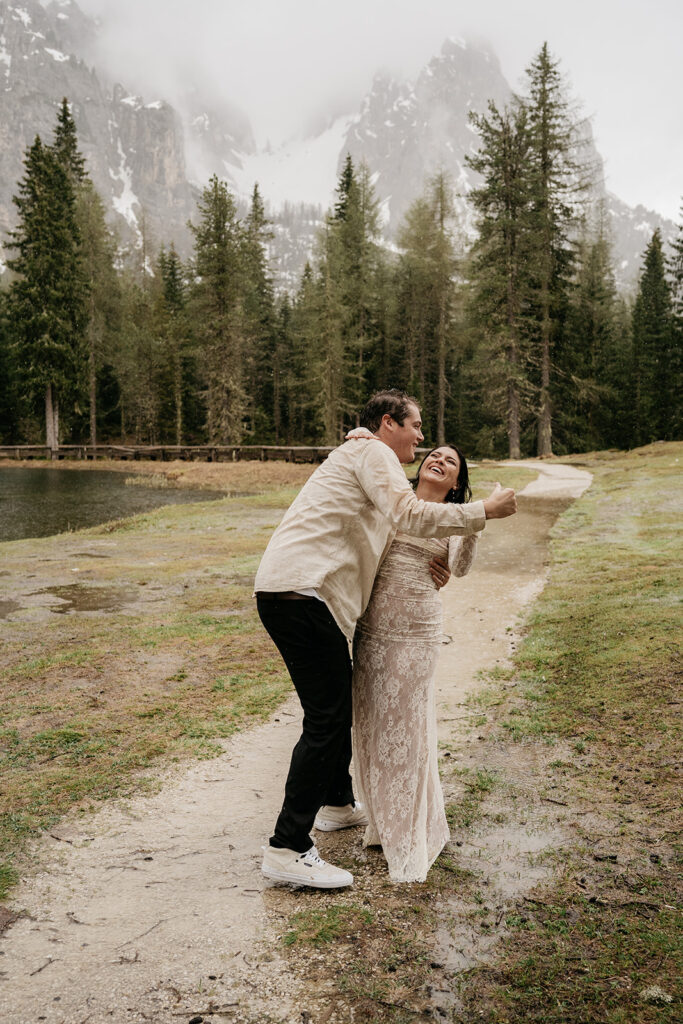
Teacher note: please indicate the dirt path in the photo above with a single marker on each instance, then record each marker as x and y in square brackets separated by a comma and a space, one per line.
[152, 910]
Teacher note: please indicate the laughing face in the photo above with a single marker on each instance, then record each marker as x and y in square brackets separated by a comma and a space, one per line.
[442, 466]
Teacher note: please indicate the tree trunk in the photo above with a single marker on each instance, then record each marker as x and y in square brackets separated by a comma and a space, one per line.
[544, 440]
[92, 386]
[51, 418]
[514, 451]
[544, 444]
[178, 389]
[277, 417]
[441, 375]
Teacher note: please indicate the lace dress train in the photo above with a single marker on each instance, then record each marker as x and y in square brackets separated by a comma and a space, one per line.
[396, 648]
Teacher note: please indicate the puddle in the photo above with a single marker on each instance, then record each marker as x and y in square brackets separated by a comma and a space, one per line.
[75, 597]
[509, 861]
[7, 607]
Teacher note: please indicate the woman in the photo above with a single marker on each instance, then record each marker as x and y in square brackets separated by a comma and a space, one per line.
[396, 647]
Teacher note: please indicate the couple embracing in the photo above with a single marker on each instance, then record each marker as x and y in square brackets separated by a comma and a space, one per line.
[358, 558]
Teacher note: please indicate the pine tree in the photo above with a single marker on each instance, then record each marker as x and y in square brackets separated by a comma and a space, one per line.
[217, 307]
[343, 297]
[501, 288]
[139, 358]
[358, 267]
[65, 145]
[48, 300]
[174, 332]
[305, 359]
[344, 189]
[591, 351]
[97, 247]
[329, 311]
[676, 273]
[675, 265]
[557, 183]
[426, 279]
[259, 320]
[657, 380]
[415, 312]
[9, 384]
[98, 250]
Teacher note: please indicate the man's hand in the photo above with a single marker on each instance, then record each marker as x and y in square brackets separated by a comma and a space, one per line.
[500, 503]
[439, 571]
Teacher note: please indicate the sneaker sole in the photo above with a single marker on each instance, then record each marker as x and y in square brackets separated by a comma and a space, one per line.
[283, 876]
[334, 826]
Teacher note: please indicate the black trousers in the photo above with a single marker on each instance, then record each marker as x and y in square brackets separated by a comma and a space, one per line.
[316, 654]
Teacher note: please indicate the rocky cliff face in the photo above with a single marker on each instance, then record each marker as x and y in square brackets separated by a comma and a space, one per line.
[135, 151]
[149, 160]
[408, 132]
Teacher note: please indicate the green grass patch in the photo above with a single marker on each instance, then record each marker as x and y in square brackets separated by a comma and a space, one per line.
[463, 812]
[318, 926]
[598, 670]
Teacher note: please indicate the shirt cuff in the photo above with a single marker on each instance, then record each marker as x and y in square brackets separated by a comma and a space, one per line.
[479, 520]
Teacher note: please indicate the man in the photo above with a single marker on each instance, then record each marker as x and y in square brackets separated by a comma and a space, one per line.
[312, 585]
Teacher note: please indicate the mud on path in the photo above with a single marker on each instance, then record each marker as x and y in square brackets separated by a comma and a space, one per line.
[154, 909]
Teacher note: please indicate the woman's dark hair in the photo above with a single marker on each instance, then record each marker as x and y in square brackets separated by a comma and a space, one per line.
[391, 401]
[460, 494]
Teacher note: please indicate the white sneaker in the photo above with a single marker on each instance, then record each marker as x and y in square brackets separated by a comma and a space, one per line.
[329, 819]
[308, 868]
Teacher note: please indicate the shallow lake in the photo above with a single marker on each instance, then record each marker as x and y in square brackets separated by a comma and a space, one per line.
[41, 502]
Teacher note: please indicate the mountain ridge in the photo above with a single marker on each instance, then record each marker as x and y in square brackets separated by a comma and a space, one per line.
[149, 159]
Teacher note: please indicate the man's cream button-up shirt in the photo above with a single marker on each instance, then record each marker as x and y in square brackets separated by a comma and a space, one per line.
[339, 527]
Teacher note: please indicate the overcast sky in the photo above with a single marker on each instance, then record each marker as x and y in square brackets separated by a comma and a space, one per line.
[286, 62]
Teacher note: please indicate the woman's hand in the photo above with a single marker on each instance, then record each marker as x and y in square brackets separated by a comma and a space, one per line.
[439, 571]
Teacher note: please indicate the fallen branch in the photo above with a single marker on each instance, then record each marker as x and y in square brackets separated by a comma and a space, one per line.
[46, 964]
[163, 921]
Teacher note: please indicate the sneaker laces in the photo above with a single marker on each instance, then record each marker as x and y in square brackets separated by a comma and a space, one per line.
[313, 857]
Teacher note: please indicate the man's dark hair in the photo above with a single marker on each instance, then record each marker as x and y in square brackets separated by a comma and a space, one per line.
[391, 401]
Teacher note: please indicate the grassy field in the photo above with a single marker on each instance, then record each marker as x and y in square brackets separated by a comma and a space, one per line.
[599, 673]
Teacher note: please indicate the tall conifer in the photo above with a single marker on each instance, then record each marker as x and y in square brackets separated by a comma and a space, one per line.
[259, 319]
[217, 307]
[657, 380]
[174, 332]
[499, 267]
[557, 183]
[48, 299]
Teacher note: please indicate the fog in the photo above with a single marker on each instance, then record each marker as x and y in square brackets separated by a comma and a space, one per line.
[290, 65]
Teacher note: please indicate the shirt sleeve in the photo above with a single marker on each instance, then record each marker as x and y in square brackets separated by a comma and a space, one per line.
[461, 553]
[381, 477]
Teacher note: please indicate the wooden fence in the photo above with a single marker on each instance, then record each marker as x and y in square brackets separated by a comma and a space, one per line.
[167, 453]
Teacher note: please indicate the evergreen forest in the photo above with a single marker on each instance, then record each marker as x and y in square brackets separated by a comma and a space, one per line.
[515, 343]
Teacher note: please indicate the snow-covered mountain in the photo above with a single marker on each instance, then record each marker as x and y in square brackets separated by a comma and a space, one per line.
[149, 159]
[136, 149]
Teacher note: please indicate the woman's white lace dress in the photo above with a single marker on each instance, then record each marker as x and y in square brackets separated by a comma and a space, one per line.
[396, 647]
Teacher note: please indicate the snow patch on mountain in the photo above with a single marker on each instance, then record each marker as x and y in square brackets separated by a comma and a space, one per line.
[125, 202]
[301, 171]
[5, 56]
[21, 15]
